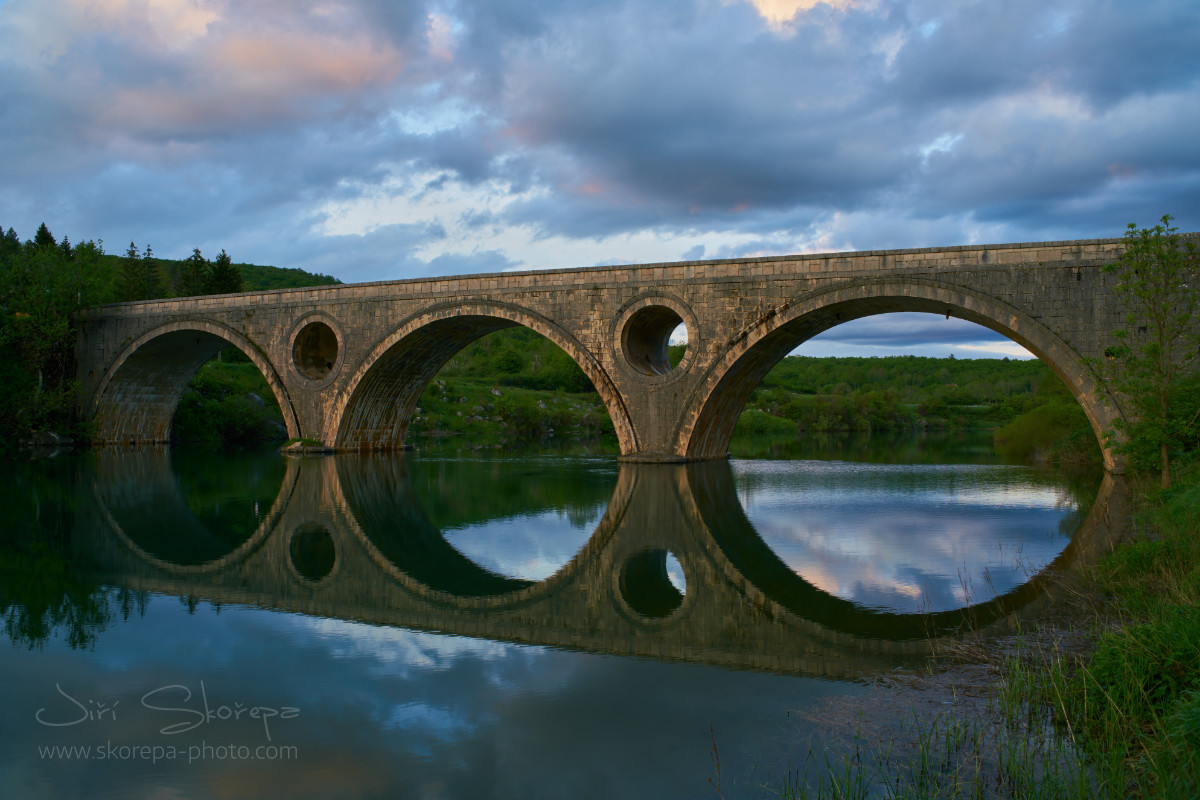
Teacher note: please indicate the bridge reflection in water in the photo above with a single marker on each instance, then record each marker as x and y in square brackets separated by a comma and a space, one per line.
[345, 537]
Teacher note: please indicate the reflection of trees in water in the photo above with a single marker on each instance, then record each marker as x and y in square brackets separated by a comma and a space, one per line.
[189, 506]
[46, 589]
[382, 500]
[457, 493]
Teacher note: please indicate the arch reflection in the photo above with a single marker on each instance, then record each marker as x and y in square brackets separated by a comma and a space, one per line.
[673, 570]
[471, 528]
[753, 558]
[189, 508]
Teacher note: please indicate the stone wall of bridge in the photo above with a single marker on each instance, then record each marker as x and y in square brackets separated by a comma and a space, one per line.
[348, 363]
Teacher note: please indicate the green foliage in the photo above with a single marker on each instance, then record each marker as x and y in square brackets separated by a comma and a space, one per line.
[44, 589]
[193, 275]
[1134, 699]
[759, 422]
[223, 277]
[826, 395]
[1158, 349]
[1034, 434]
[256, 278]
[228, 401]
[576, 489]
[139, 278]
[41, 286]
[43, 237]
[518, 357]
[44, 282]
[476, 414]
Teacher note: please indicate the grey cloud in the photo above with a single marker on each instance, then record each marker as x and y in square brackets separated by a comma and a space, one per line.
[910, 328]
[683, 118]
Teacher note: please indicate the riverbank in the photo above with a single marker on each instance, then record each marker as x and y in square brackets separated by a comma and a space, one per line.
[1101, 702]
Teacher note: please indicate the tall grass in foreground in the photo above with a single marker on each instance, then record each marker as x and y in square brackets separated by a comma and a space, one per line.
[1121, 718]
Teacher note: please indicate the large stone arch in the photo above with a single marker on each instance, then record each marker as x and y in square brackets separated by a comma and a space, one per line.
[373, 410]
[708, 421]
[136, 399]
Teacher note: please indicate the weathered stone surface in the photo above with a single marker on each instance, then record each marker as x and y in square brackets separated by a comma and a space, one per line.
[348, 363]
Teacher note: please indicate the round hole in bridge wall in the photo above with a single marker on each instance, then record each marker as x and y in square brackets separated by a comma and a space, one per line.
[312, 552]
[653, 583]
[315, 350]
[647, 337]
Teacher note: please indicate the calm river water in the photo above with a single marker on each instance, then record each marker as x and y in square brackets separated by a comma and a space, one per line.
[205, 625]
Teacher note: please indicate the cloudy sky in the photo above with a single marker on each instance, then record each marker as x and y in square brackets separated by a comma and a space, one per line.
[377, 139]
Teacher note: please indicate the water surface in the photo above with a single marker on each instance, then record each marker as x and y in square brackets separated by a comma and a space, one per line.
[506, 627]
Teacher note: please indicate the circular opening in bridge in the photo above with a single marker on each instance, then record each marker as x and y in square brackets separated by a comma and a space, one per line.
[312, 552]
[647, 337]
[315, 351]
[653, 583]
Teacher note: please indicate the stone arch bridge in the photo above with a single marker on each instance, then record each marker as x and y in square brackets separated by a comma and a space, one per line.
[348, 363]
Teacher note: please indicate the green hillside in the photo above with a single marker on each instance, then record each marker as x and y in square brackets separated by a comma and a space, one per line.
[45, 280]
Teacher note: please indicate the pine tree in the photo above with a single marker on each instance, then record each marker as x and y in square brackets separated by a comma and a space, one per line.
[152, 275]
[193, 275]
[43, 237]
[224, 277]
[10, 244]
[131, 283]
[65, 246]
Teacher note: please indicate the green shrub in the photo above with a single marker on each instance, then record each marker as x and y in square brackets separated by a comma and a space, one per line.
[756, 421]
[1035, 433]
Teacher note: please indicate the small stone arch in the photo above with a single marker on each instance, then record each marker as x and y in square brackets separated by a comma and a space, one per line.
[136, 399]
[373, 410]
[722, 394]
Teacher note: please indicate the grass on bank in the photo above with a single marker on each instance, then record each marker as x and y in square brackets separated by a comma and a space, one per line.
[1118, 718]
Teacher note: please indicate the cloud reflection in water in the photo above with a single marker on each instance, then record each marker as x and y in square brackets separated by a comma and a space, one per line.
[907, 538]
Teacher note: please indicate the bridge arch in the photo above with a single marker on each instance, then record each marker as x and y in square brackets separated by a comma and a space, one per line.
[711, 414]
[137, 397]
[373, 410]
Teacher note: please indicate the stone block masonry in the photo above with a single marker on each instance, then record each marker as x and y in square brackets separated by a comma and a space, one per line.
[348, 363]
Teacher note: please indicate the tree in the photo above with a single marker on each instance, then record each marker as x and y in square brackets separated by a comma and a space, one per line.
[193, 275]
[10, 244]
[139, 278]
[40, 289]
[43, 237]
[1157, 352]
[152, 275]
[224, 277]
[130, 283]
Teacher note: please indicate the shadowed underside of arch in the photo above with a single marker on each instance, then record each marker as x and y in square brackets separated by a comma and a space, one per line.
[374, 411]
[722, 396]
[137, 398]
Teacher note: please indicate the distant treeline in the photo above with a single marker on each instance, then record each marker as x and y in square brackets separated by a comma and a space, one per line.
[44, 281]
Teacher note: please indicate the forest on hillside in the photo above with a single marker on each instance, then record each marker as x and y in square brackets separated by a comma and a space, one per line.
[45, 280]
